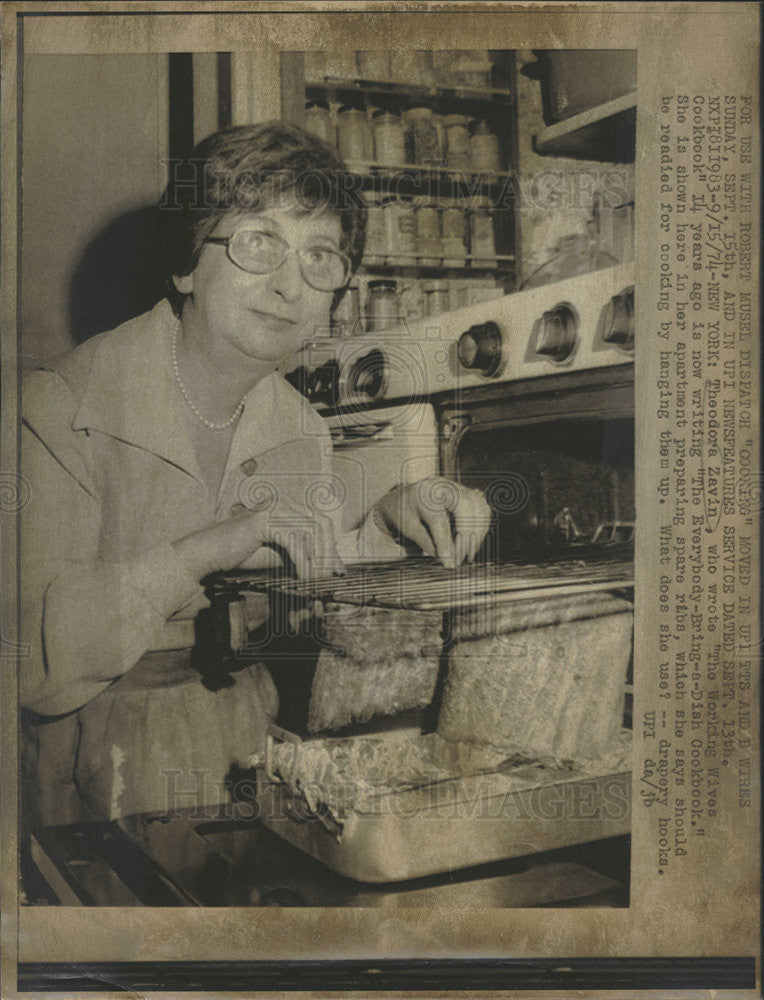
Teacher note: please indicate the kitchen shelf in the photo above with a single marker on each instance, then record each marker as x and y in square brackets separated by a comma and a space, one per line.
[396, 89]
[474, 180]
[472, 265]
[605, 133]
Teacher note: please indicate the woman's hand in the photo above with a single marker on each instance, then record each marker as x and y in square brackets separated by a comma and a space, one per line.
[307, 538]
[444, 518]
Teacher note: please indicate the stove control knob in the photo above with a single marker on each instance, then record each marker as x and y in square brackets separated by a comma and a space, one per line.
[367, 376]
[479, 349]
[556, 333]
[618, 321]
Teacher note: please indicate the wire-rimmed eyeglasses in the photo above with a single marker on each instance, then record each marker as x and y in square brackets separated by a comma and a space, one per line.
[260, 252]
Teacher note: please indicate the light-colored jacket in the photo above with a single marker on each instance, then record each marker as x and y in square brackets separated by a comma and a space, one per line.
[113, 480]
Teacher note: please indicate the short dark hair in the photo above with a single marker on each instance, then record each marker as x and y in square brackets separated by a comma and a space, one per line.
[247, 168]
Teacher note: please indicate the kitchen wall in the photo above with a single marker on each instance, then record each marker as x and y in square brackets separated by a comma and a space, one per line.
[94, 142]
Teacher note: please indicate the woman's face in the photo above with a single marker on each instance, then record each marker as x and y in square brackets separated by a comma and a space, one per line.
[234, 316]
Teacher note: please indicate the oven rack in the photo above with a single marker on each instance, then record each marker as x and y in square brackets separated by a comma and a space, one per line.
[424, 584]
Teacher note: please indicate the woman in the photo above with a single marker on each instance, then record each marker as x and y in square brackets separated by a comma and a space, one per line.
[149, 450]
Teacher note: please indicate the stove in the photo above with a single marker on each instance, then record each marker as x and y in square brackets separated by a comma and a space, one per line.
[526, 654]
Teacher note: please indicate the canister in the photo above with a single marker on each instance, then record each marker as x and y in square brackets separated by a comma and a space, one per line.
[318, 121]
[485, 148]
[381, 305]
[454, 228]
[457, 142]
[482, 242]
[353, 134]
[375, 249]
[373, 64]
[423, 140]
[389, 138]
[400, 230]
[428, 242]
[435, 297]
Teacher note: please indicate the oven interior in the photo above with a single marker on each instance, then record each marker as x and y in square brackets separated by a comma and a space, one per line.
[553, 485]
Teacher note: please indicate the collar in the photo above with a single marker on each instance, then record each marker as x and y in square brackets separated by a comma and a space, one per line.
[131, 395]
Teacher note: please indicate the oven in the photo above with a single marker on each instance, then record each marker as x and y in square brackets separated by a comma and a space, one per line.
[458, 718]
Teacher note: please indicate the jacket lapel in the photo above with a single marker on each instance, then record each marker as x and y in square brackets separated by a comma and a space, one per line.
[131, 394]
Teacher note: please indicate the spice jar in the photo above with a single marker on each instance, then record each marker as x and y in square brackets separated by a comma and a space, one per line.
[454, 242]
[435, 297]
[458, 151]
[428, 234]
[485, 148]
[318, 121]
[423, 137]
[472, 68]
[400, 230]
[346, 319]
[375, 249]
[381, 305]
[410, 300]
[389, 138]
[353, 134]
[482, 243]
[374, 64]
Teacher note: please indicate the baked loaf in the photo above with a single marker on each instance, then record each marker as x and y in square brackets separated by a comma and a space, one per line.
[551, 691]
[375, 661]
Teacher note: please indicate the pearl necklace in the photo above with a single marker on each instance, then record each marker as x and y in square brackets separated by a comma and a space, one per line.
[176, 372]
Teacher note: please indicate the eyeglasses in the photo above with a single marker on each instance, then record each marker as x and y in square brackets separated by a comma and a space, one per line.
[260, 252]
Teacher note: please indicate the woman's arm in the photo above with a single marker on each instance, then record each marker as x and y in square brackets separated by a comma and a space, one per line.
[85, 621]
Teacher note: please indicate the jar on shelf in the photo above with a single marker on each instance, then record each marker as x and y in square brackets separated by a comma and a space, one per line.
[318, 121]
[410, 300]
[373, 64]
[575, 254]
[454, 229]
[457, 142]
[423, 137]
[428, 242]
[346, 319]
[485, 148]
[381, 305]
[375, 249]
[353, 134]
[462, 68]
[389, 138]
[473, 69]
[400, 230]
[436, 299]
[482, 240]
